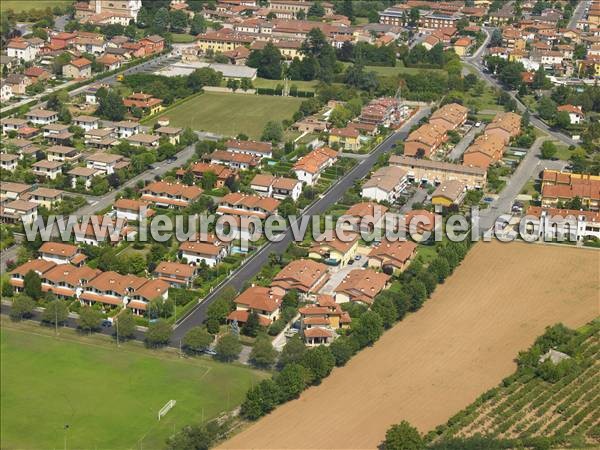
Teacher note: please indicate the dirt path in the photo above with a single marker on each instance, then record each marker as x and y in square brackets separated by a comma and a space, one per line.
[440, 359]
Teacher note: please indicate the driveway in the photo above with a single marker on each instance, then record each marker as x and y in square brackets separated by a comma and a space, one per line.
[460, 148]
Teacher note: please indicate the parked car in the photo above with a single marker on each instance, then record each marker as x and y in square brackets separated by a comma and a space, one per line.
[106, 323]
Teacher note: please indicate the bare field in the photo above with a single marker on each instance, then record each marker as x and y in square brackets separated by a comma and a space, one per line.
[438, 360]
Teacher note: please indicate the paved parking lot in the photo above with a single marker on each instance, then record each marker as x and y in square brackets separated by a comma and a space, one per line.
[338, 274]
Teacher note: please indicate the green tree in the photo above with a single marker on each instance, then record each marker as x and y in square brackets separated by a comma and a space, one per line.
[418, 293]
[291, 381]
[228, 348]
[563, 120]
[342, 350]
[319, 361]
[263, 354]
[32, 285]
[158, 333]
[21, 308]
[546, 108]
[125, 325]
[179, 21]
[56, 313]
[261, 399]
[292, 352]
[161, 20]
[367, 328]
[386, 308]
[197, 24]
[440, 267]
[403, 436]
[197, 339]
[252, 325]
[89, 319]
[548, 150]
[316, 10]
[110, 106]
[272, 132]
[267, 62]
[192, 437]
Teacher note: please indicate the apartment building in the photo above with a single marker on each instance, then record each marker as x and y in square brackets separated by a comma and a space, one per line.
[361, 285]
[304, 275]
[435, 172]
[309, 168]
[243, 205]
[560, 187]
[385, 184]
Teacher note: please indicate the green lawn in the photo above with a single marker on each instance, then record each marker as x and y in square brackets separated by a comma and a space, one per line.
[302, 85]
[387, 71]
[231, 114]
[182, 38]
[108, 396]
[19, 5]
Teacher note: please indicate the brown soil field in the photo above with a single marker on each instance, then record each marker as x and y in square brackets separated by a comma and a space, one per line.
[440, 359]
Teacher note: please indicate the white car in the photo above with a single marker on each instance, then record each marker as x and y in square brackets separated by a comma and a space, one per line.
[478, 124]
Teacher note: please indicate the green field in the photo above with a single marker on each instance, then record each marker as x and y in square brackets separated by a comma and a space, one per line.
[301, 85]
[231, 114]
[18, 6]
[108, 396]
[387, 71]
[182, 38]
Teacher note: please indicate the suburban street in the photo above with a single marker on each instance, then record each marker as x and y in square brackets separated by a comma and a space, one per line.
[464, 143]
[253, 264]
[578, 13]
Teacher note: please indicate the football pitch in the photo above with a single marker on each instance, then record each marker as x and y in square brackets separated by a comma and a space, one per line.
[96, 395]
[231, 114]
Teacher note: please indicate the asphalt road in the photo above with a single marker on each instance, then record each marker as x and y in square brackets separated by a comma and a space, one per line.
[254, 263]
[460, 148]
[578, 13]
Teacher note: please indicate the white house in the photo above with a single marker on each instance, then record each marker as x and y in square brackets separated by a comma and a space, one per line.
[127, 128]
[6, 92]
[47, 169]
[41, 116]
[86, 122]
[197, 252]
[385, 184]
[568, 222]
[8, 161]
[104, 162]
[576, 115]
[22, 49]
[131, 209]
[19, 210]
[308, 169]
[12, 124]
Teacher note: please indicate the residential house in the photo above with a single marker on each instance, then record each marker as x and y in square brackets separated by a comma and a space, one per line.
[46, 197]
[176, 274]
[61, 253]
[173, 134]
[145, 102]
[386, 184]
[560, 187]
[6, 92]
[449, 193]
[93, 45]
[22, 49]
[280, 188]
[127, 128]
[320, 321]
[424, 141]
[47, 169]
[18, 211]
[131, 209]
[153, 44]
[170, 195]
[253, 148]
[392, 256]
[223, 173]
[575, 223]
[78, 68]
[88, 123]
[361, 285]
[209, 251]
[449, 117]
[309, 168]
[335, 251]
[62, 153]
[107, 163]
[57, 133]
[83, 175]
[12, 124]
[506, 125]
[345, 138]
[233, 160]
[12, 191]
[36, 74]
[576, 115]
[104, 229]
[486, 150]
[41, 116]
[303, 275]
[435, 172]
[109, 62]
[256, 299]
[144, 140]
[8, 161]
[243, 205]
[103, 138]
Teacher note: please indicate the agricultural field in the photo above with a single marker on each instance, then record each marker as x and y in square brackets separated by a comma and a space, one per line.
[231, 114]
[26, 5]
[108, 396]
[534, 403]
[438, 360]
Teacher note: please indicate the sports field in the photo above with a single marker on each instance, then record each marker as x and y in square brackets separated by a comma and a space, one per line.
[109, 397]
[231, 114]
[438, 360]
[24, 5]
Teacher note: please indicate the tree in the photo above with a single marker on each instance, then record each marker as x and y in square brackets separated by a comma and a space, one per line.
[267, 62]
[403, 436]
[385, 307]
[260, 399]
[273, 132]
[197, 339]
[263, 354]
[548, 150]
[291, 381]
[125, 325]
[192, 437]
[232, 84]
[440, 268]
[179, 20]
[56, 313]
[292, 352]
[89, 319]
[540, 80]
[563, 120]
[228, 348]
[316, 10]
[342, 350]
[197, 24]
[21, 308]
[158, 333]
[510, 75]
[319, 361]
[161, 20]
[111, 107]
[32, 285]
[252, 325]
[367, 328]
[546, 108]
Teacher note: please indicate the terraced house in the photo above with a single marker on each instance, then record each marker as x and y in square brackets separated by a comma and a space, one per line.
[170, 195]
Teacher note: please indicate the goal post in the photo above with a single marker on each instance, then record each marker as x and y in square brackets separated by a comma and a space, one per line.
[165, 409]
